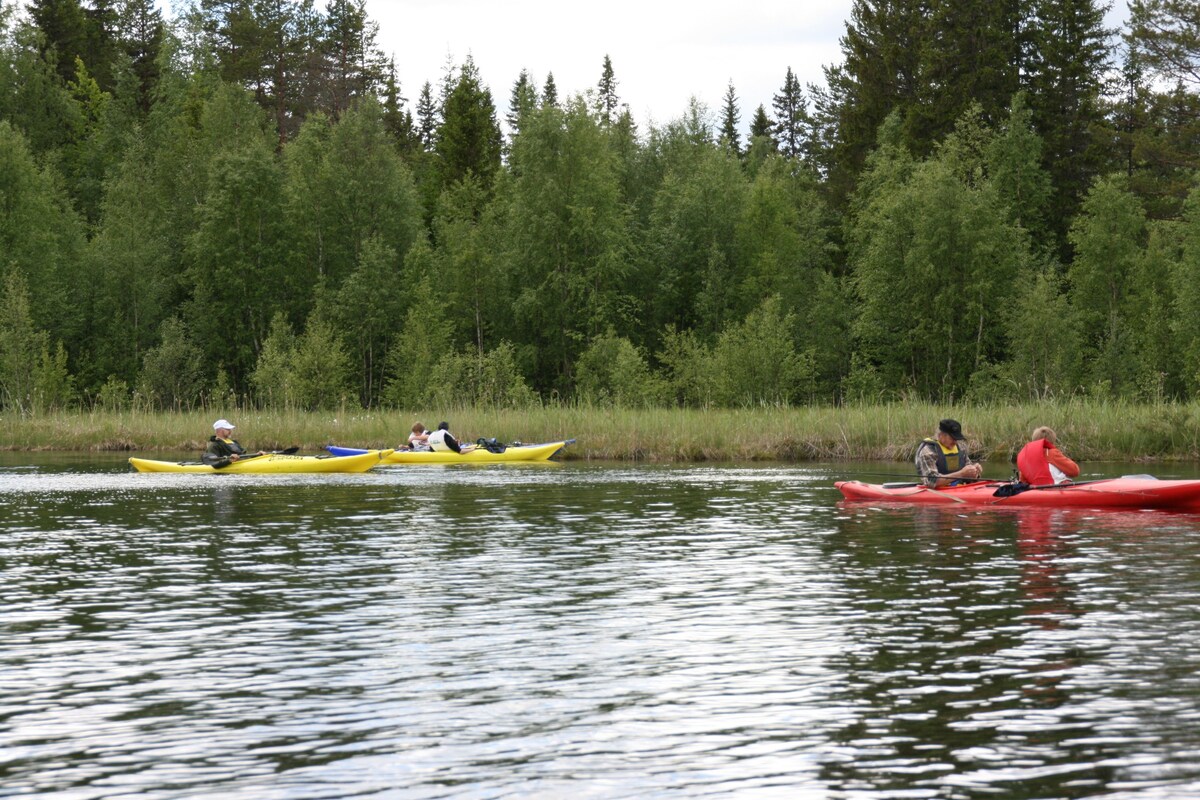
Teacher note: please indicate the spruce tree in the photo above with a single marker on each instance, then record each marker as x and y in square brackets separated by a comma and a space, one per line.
[791, 117]
[521, 102]
[427, 117]
[1067, 64]
[606, 98]
[140, 33]
[881, 72]
[355, 65]
[469, 139]
[730, 137]
[65, 28]
[550, 91]
[396, 118]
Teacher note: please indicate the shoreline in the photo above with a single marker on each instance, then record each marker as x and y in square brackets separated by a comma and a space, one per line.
[1087, 430]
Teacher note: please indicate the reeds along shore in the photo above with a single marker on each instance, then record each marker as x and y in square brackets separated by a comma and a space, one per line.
[1087, 430]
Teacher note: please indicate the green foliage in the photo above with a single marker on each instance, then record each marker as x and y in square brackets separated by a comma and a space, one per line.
[936, 262]
[172, 373]
[1109, 236]
[365, 310]
[1185, 280]
[212, 185]
[320, 368]
[492, 380]
[469, 139]
[272, 376]
[685, 360]
[53, 385]
[21, 345]
[238, 273]
[755, 362]
[569, 238]
[421, 366]
[470, 274]
[1044, 341]
[40, 235]
[113, 395]
[611, 371]
[345, 186]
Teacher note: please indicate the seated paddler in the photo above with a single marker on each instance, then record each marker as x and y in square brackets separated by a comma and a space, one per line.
[222, 449]
[943, 459]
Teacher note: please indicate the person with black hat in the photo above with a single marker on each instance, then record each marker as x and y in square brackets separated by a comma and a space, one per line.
[442, 440]
[941, 461]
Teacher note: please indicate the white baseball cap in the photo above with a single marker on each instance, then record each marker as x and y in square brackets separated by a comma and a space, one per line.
[223, 423]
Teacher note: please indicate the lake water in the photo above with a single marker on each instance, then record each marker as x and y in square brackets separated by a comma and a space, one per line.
[583, 631]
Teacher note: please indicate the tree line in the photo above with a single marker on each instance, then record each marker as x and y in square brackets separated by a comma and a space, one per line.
[983, 200]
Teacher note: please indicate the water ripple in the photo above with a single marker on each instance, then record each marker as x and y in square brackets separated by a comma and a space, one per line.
[586, 630]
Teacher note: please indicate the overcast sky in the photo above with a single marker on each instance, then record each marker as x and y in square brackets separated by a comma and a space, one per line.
[663, 53]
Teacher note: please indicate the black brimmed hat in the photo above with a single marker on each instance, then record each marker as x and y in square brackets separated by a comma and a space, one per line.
[950, 427]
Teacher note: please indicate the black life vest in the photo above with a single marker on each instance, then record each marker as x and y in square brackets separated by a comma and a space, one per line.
[946, 464]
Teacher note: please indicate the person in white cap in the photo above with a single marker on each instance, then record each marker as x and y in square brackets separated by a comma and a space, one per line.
[223, 450]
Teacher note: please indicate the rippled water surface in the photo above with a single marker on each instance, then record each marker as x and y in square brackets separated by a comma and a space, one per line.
[583, 631]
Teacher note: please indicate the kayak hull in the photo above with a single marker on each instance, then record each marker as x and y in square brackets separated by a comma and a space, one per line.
[1120, 493]
[273, 464]
[480, 455]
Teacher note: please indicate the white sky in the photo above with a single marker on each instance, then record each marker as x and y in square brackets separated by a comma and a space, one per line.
[663, 53]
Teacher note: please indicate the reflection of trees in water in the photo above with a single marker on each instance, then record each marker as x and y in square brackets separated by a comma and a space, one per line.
[947, 673]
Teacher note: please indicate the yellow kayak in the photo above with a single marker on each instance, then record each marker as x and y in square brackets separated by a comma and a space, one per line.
[480, 455]
[272, 463]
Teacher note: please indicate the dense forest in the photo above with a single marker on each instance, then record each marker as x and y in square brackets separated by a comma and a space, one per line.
[239, 205]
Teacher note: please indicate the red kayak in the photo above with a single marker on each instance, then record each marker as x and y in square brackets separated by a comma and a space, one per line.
[1128, 493]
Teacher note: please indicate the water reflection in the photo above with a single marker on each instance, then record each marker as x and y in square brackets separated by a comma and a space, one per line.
[596, 630]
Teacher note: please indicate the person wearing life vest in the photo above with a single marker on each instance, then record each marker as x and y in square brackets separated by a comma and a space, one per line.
[442, 441]
[941, 461]
[222, 450]
[1041, 463]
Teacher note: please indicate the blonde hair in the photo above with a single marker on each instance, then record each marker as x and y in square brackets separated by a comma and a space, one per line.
[1045, 433]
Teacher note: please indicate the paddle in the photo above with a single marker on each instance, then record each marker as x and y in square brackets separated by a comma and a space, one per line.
[289, 451]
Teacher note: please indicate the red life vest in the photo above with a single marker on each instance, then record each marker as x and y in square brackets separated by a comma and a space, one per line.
[1033, 464]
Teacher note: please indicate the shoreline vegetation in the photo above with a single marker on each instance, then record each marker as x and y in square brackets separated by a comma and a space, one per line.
[1089, 430]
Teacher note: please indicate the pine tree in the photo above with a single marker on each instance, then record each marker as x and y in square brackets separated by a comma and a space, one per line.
[730, 137]
[1068, 59]
[973, 53]
[65, 28]
[1164, 36]
[140, 33]
[469, 139]
[355, 65]
[761, 127]
[396, 118]
[521, 102]
[606, 97]
[791, 117]
[550, 91]
[427, 118]
[881, 71]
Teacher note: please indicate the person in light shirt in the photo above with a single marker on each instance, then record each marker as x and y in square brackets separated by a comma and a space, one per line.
[1041, 463]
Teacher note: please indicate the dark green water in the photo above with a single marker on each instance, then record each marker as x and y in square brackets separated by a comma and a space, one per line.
[583, 631]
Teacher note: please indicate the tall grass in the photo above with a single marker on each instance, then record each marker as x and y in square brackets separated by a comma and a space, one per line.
[1090, 430]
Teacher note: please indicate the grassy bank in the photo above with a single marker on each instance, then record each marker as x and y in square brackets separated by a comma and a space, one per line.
[1088, 430]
